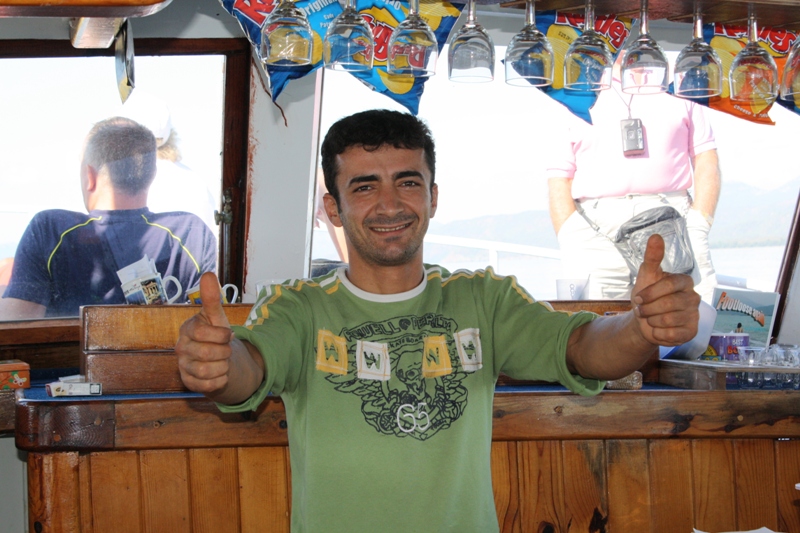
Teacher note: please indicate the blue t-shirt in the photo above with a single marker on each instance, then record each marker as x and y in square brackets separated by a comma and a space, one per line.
[67, 259]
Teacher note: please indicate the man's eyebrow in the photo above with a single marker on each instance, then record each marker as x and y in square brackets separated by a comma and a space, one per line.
[362, 179]
[408, 174]
[371, 178]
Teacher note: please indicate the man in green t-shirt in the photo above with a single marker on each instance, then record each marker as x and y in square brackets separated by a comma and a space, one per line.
[387, 366]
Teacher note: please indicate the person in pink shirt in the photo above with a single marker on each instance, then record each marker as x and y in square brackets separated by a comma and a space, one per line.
[588, 170]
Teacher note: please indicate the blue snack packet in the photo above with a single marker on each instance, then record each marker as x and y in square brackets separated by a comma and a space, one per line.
[563, 28]
[383, 16]
[251, 14]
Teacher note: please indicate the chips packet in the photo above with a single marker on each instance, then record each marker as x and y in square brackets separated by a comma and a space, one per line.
[251, 14]
[383, 17]
[563, 28]
[728, 40]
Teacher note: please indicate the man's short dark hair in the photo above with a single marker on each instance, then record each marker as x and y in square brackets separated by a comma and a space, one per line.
[372, 130]
[126, 149]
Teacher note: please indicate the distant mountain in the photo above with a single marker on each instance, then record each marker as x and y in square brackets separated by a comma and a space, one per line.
[532, 228]
[746, 216]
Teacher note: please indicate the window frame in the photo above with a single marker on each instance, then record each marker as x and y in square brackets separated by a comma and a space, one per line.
[25, 338]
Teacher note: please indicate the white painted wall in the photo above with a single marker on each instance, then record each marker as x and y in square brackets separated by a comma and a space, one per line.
[282, 158]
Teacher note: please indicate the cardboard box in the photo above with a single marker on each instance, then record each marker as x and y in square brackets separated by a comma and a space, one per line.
[14, 374]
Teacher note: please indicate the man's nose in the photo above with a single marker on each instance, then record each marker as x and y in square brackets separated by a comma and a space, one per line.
[389, 201]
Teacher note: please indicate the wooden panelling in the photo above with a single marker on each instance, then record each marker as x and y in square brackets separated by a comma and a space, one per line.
[116, 492]
[129, 348]
[263, 492]
[713, 482]
[39, 331]
[628, 485]
[133, 327]
[85, 493]
[165, 491]
[636, 414]
[585, 486]
[172, 421]
[129, 373]
[7, 407]
[672, 500]
[214, 486]
[541, 486]
[569, 486]
[53, 496]
[65, 426]
[154, 424]
[756, 497]
[505, 485]
[787, 472]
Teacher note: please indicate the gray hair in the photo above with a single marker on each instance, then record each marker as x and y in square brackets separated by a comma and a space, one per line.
[127, 151]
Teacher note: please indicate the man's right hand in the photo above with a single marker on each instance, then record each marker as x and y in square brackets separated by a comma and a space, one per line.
[211, 360]
[204, 346]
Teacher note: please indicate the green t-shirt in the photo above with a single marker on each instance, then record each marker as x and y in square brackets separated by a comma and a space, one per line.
[389, 397]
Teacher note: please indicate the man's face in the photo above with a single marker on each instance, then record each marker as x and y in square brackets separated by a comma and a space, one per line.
[385, 204]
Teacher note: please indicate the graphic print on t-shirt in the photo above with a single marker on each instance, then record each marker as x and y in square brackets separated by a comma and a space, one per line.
[407, 372]
[331, 353]
[468, 343]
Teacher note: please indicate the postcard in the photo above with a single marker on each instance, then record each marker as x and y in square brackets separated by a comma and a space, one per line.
[743, 311]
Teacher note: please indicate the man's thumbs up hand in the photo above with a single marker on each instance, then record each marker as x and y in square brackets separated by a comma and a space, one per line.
[665, 304]
[204, 345]
[211, 300]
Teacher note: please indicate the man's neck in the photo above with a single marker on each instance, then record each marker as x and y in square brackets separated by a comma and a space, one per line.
[114, 202]
[386, 279]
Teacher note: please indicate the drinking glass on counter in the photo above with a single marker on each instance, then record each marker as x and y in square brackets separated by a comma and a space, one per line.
[698, 68]
[644, 65]
[786, 355]
[750, 355]
[413, 49]
[286, 38]
[470, 57]
[349, 43]
[588, 61]
[753, 76]
[529, 56]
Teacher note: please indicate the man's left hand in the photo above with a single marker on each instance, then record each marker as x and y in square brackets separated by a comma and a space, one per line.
[665, 305]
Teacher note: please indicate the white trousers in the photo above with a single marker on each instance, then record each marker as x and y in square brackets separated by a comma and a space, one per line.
[589, 254]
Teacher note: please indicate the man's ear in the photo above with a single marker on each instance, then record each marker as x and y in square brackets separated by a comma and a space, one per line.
[332, 209]
[434, 198]
[91, 178]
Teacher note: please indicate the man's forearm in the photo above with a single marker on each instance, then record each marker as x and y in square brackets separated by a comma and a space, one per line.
[561, 203]
[245, 374]
[706, 183]
[608, 348]
[16, 309]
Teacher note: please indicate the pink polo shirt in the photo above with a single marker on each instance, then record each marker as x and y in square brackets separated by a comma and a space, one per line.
[591, 154]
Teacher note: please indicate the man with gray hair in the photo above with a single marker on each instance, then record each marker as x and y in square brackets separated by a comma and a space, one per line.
[67, 259]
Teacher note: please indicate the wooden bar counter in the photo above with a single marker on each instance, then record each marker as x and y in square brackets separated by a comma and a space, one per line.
[150, 457]
[659, 459]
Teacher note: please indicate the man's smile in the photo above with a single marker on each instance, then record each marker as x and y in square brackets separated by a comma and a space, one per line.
[395, 228]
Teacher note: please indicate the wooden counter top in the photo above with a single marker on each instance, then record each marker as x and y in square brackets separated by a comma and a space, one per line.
[520, 413]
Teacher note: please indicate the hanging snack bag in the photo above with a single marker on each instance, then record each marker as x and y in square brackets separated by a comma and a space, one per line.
[383, 16]
[728, 40]
[251, 14]
[563, 28]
